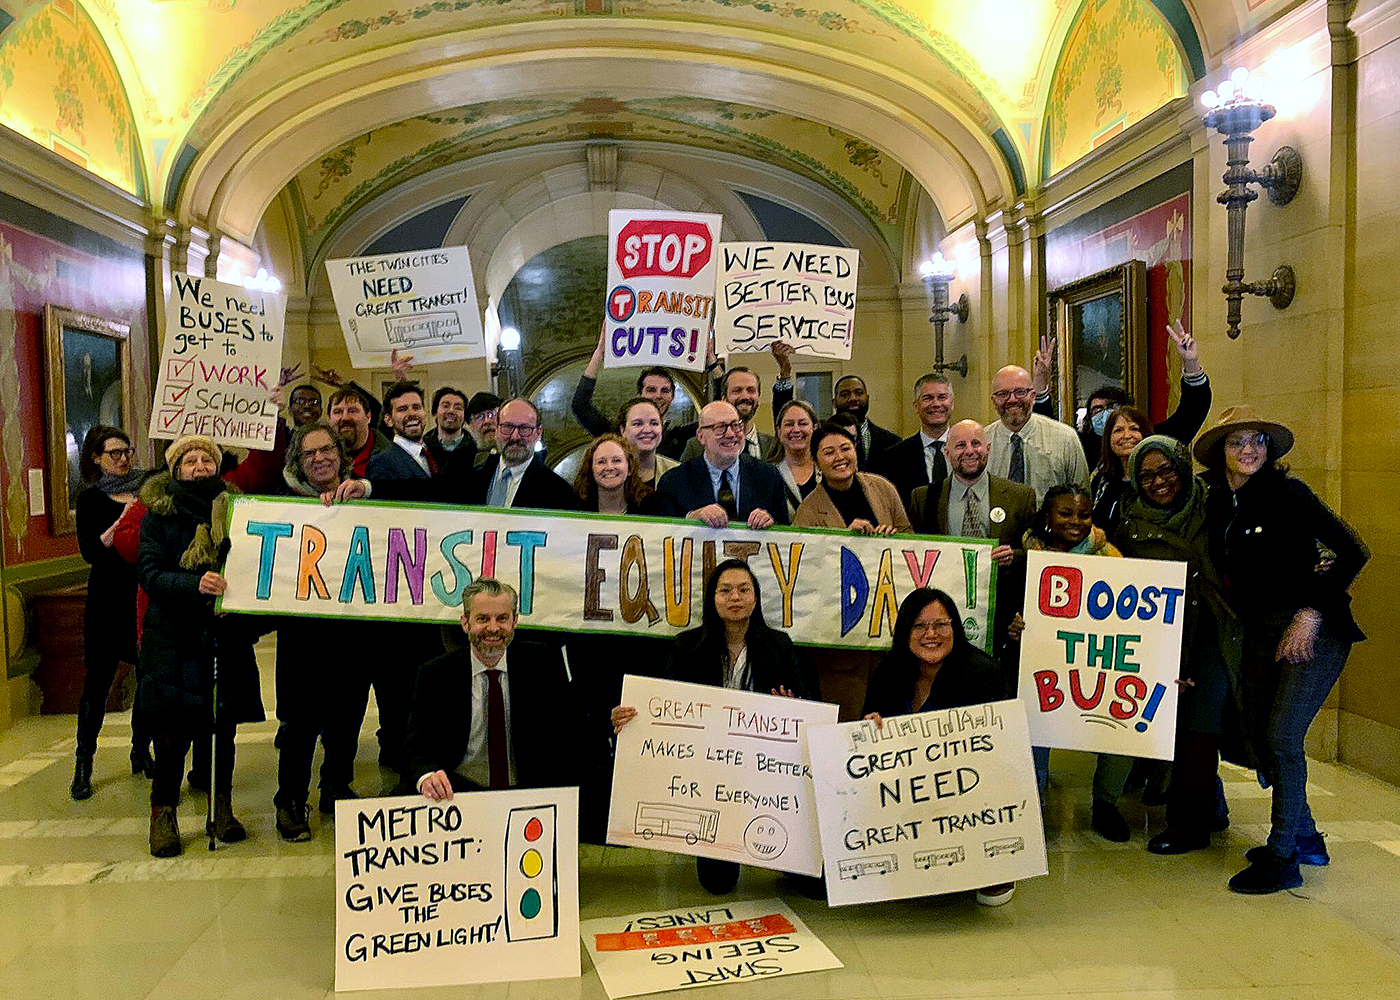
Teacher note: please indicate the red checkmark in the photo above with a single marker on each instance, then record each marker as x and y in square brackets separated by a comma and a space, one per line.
[180, 370]
[170, 418]
[173, 393]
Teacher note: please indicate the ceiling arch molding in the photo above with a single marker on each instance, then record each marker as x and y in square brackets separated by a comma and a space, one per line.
[237, 176]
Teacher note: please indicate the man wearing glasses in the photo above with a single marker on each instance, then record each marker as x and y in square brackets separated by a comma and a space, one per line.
[724, 484]
[513, 478]
[1026, 447]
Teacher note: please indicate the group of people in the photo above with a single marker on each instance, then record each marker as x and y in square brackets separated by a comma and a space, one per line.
[1267, 630]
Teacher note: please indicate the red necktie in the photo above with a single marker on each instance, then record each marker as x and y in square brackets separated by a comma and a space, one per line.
[496, 752]
[432, 464]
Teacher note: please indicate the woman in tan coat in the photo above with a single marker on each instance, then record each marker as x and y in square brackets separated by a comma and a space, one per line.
[847, 500]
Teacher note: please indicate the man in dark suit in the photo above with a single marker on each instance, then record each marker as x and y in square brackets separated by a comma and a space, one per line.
[849, 396]
[723, 484]
[494, 714]
[740, 388]
[919, 460]
[973, 503]
[516, 477]
[407, 417]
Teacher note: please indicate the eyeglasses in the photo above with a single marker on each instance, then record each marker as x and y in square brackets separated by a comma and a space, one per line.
[510, 430]
[326, 450]
[942, 627]
[731, 427]
[1002, 395]
[483, 415]
[119, 452]
[1260, 439]
[1163, 475]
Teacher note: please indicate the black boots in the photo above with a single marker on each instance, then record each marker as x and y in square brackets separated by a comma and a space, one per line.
[223, 825]
[82, 778]
[291, 823]
[141, 762]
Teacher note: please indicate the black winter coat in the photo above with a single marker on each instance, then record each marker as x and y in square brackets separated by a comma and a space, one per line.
[109, 613]
[772, 663]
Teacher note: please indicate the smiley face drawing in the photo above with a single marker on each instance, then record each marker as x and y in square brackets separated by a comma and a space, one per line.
[765, 838]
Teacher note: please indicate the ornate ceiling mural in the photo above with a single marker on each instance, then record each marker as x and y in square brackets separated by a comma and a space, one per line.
[329, 191]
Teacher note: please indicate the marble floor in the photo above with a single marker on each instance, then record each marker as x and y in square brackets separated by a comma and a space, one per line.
[86, 912]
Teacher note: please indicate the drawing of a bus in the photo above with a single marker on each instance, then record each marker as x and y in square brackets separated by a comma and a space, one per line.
[1006, 845]
[423, 328]
[870, 864]
[662, 819]
[942, 856]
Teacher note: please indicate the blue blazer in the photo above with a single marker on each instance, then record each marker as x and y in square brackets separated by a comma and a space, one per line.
[687, 487]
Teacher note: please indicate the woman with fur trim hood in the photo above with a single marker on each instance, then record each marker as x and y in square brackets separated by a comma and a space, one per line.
[181, 551]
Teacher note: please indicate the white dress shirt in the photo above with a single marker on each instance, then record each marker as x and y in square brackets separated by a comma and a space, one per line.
[516, 473]
[417, 449]
[476, 765]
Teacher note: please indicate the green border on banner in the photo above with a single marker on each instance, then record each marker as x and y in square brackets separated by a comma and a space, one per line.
[244, 498]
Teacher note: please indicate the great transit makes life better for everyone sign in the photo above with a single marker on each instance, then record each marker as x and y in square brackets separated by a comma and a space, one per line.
[222, 356]
[717, 773]
[1102, 651]
[478, 888]
[585, 572]
[661, 288]
[926, 804]
[801, 294]
[422, 303]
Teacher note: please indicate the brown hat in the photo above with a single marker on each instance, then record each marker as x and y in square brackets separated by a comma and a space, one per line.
[192, 442]
[1234, 418]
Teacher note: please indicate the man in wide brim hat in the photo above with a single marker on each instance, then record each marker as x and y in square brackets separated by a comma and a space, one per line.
[1209, 446]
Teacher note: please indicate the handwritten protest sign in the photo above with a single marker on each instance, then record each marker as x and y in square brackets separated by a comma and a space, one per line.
[702, 945]
[480, 888]
[925, 804]
[1101, 652]
[585, 572]
[422, 303]
[799, 293]
[222, 355]
[717, 773]
[661, 288]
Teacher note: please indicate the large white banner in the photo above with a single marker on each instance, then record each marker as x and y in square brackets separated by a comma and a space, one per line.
[926, 804]
[1102, 651]
[222, 355]
[422, 302]
[661, 288]
[480, 888]
[801, 294]
[585, 572]
[716, 773]
[703, 945]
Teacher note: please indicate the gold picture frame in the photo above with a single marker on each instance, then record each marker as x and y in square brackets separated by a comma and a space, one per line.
[87, 380]
[1099, 324]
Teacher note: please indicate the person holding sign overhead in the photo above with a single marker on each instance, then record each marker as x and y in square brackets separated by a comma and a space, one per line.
[931, 666]
[723, 484]
[1165, 518]
[732, 648]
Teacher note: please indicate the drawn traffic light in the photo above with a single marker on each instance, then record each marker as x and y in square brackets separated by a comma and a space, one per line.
[531, 880]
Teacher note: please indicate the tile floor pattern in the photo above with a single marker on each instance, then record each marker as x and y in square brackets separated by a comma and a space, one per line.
[85, 912]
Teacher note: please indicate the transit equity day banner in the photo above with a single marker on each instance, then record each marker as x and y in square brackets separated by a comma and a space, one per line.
[586, 572]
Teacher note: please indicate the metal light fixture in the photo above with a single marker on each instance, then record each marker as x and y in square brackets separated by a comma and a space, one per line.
[507, 360]
[1235, 111]
[937, 272]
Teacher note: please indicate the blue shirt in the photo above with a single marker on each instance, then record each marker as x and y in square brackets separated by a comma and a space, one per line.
[716, 473]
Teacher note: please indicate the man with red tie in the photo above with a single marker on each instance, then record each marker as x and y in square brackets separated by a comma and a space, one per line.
[496, 713]
[410, 457]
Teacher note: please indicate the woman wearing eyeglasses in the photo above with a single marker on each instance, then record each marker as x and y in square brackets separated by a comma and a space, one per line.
[931, 667]
[1290, 562]
[109, 613]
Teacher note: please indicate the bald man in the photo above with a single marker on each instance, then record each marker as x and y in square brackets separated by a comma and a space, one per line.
[724, 485]
[1026, 447]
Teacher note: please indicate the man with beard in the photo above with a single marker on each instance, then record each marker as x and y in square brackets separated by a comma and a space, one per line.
[351, 420]
[481, 424]
[919, 459]
[849, 396]
[740, 388]
[1029, 448]
[513, 478]
[410, 457]
[495, 713]
[449, 436]
[972, 503]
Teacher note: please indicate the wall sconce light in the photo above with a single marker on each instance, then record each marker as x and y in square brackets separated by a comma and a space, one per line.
[263, 282]
[937, 272]
[1235, 111]
[507, 359]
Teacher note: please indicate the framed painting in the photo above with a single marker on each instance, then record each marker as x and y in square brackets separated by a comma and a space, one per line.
[87, 379]
[1100, 328]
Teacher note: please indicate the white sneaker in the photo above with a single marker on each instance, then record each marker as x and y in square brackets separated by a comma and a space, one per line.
[996, 895]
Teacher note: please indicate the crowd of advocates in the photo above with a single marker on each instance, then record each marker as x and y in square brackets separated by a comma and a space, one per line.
[1267, 632]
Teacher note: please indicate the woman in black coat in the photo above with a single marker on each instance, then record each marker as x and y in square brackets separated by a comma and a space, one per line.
[932, 667]
[182, 547]
[732, 648]
[109, 612]
[1268, 534]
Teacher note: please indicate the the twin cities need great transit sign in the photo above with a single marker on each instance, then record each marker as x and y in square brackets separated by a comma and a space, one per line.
[586, 572]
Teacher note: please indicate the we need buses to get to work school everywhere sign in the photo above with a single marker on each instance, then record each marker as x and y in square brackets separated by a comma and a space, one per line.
[585, 572]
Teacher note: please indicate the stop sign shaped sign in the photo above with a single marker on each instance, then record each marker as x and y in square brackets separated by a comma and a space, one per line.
[670, 248]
